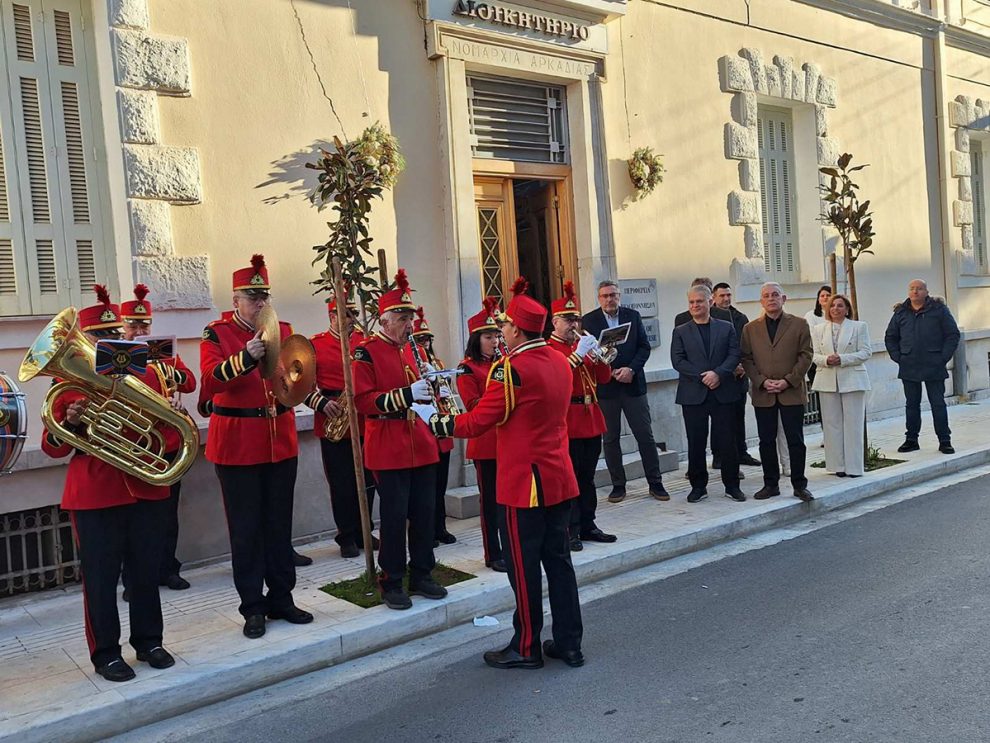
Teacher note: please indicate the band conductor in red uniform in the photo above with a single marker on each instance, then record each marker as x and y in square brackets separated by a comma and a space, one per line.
[528, 404]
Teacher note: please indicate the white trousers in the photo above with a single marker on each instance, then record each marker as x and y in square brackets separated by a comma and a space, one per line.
[843, 414]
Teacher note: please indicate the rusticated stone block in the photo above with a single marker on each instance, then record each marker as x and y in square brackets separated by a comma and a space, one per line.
[749, 175]
[962, 213]
[747, 271]
[177, 282]
[744, 109]
[957, 113]
[786, 67]
[821, 121]
[827, 92]
[753, 240]
[166, 173]
[151, 62]
[740, 141]
[151, 227]
[962, 139]
[828, 151]
[129, 14]
[139, 123]
[959, 164]
[774, 87]
[967, 237]
[736, 76]
[744, 208]
[965, 189]
[811, 75]
[757, 69]
[797, 85]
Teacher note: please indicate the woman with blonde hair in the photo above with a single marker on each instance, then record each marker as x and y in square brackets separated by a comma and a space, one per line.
[841, 348]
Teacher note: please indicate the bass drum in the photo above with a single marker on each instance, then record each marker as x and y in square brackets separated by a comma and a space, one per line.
[13, 423]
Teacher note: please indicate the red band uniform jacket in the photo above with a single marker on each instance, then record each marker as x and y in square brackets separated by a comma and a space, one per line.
[180, 376]
[584, 416]
[471, 386]
[527, 403]
[329, 377]
[232, 379]
[443, 445]
[395, 437]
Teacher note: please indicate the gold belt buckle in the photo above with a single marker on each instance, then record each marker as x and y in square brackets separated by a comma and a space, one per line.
[587, 399]
[411, 414]
[272, 411]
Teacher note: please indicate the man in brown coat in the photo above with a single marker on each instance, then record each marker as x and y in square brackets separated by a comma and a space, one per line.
[776, 354]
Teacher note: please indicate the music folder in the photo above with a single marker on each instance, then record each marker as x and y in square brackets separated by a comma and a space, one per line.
[614, 336]
[116, 358]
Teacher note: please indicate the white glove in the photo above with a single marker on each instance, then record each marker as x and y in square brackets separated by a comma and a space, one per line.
[429, 367]
[421, 390]
[585, 344]
[444, 392]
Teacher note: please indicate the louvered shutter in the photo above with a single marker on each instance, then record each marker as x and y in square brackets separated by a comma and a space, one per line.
[777, 198]
[514, 120]
[979, 205]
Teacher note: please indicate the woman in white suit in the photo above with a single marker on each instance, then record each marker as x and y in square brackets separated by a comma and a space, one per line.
[841, 348]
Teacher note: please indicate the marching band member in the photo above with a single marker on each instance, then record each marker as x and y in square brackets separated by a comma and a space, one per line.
[527, 402]
[136, 317]
[424, 337]
[118, 521]
[399, 449]
[338, 456]
[252, 441]
[585, 422]
[478, 359]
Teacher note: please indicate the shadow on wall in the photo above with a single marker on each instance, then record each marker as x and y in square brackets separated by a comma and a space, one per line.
[291, 172]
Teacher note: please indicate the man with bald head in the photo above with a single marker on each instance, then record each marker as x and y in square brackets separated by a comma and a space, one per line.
[921, 339]
[776, 355]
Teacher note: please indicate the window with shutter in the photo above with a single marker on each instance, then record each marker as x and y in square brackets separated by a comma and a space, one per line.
[51, 236]
[777, 197]
[516, 120]
[979, 205]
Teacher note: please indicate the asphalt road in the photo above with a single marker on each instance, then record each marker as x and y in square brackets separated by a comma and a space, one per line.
[874, 629]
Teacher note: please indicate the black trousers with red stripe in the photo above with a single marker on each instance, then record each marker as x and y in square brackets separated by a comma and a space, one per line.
[490, 540]
[406, 497]
[170, 565]
[536, 536]
[338, 466]
[109, 539]
[584, 459]
[440, 506]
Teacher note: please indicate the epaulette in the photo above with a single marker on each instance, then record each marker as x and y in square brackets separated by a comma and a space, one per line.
[498, 374]
[362, 354]
[465, 367]
[209, 334]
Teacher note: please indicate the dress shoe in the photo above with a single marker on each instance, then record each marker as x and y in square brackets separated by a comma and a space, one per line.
[254, 626]
[116, 670]
[767, 491]
[349, 549]
[576, 545]
[736, 494]
[291, 614]
[749, 461]
[446, 537]
[742, 475]
[697, 494]
[852, 475]
[375, 544]
[803, 494]
[946, 447]
[658, 491]
[396, 599]
[157, 657]
[176, 582]
[126, 596]
[509, 658]
[617, 495]
[716, 463]
[840, 474]
[573, 658]
[428, 589]
[597, 535]
[301, 561]
[497, 565]
[908, 445]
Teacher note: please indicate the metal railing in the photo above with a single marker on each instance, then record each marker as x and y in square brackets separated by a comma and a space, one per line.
[37, 550]
[813, 410]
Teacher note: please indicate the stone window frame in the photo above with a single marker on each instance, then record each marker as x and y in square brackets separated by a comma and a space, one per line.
[752, 82]
[969, 117]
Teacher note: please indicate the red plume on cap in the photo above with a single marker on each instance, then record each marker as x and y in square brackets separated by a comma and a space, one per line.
[401, 280]
[519, 286]
[569, 289]
[257, 261]
[419, 313]
[491, 305]
[101, 294]
[140, 292]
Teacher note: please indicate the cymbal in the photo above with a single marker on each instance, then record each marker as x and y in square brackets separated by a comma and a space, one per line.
[295, 373]
[267, 323]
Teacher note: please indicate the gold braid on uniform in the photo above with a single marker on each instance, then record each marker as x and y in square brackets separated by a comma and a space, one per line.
[52, 440]
[205, 408]
[178, 376]
[316, 401]
[574, 360]
[503, 373]
[238, 365]
[590, 386]
[395, 401]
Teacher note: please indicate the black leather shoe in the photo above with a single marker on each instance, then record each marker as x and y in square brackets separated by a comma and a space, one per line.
[767, 491]
[658, 491]
[908, 445]
[349, 550]
[736, 494]
[446, 537]
[116, 670]
[573, 658]
[497, 565]
[749, 460]
[576, 545]
[803, 494]
[617, 495]
[301, 561]
[292, 615]
[157, 657]
[716, 463]
[946, 448]
[697, 494]
[428, 589]
[254, 626]
[509, 658]
[742, 475]
[126, 596]
[396, 599]
[176, 582]
[840, 474]
[597, 535]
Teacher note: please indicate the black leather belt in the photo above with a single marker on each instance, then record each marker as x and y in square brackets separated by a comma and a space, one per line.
[250, 412]
[332, 394]
[586, 400]
[398, 416]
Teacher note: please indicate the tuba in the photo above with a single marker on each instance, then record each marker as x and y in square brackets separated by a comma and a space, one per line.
[124, 414]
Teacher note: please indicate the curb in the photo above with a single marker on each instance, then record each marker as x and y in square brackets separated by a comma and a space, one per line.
[181, 691]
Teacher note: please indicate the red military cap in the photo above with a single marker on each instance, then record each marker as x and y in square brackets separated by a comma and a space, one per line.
[485, 321]
[253, 278]
[399, 298]
[102, 316]
[420, 326]
[524, 311]
[351, 302]
[567, 305]
[137, 309]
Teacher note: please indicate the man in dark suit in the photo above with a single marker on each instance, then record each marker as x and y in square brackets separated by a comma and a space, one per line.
[683, 317]
[626, 393]
[705, 352]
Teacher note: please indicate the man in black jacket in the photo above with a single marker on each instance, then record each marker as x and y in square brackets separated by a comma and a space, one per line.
[921, 339]
[626, 393]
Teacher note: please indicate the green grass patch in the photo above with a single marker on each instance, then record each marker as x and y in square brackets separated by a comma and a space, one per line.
[364, 592]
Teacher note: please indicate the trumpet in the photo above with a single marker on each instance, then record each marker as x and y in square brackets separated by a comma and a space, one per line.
[599, 354]
[443, 392]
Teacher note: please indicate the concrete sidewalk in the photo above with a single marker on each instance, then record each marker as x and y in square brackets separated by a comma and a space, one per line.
[49, 691]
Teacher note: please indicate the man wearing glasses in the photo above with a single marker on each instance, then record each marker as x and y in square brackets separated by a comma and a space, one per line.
[625, 393]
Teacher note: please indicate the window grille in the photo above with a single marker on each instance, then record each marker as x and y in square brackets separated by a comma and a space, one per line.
[514, 120]
[979, 205]
[37, 550]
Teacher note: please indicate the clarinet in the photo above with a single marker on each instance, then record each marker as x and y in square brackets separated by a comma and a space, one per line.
[420, 358]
